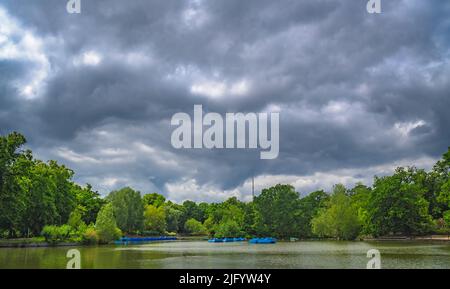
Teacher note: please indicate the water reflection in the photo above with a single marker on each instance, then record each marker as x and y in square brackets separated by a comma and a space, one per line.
[200, 254]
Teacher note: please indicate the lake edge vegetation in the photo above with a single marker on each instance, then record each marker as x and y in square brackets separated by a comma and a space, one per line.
[40, 200]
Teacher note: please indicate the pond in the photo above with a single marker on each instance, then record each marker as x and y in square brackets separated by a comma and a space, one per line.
[201, 254]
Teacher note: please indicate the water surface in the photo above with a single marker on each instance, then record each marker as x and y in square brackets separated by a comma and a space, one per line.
[201, 254]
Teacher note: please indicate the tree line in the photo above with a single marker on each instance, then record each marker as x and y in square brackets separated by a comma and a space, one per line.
[40, 199]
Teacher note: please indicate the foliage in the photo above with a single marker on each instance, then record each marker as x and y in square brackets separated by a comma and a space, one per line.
[56, 234]
[155, 219]
[309, 206]
[32, 193]
[106, 226]
[153, 199]
[228, 229]
[174, 214]
[90, 236]
[277, 211]
[128, 209]
[190, 210]
[397, 204]
[11, 196]
[360, 196]
[88, 202]
[194, 227]
[75, 220]
[339, 219]
[40, 198]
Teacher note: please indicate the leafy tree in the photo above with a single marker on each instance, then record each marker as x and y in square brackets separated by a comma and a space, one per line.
[309, 206]
[75, 220]
[194, 227]
[340, 219]
[232, 211]
[128, 209]
[203, 212]
[153, 199]
[106, 226]
[441, 173]
[249, 218]
[174, 213]
[190, 211]
[35, 193]
[277, 211]
[12, 198]
[88, 202]
[397, 204]
[436, 186]
[360, 196]
[155, 219]
[228, 229]
[49, 198]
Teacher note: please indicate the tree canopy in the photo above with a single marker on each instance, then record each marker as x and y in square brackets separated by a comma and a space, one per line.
[38, 198]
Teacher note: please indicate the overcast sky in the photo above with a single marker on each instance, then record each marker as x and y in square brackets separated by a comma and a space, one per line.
[357, 93]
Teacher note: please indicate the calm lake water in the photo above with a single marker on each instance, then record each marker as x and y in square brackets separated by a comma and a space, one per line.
[201, 254]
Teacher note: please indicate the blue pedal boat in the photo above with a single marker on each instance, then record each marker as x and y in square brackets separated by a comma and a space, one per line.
[263, 241]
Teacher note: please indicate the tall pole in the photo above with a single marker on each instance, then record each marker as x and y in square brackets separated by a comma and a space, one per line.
[253, 187]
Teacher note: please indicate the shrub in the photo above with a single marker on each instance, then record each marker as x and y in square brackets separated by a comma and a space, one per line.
[90, 236]
[55, 234]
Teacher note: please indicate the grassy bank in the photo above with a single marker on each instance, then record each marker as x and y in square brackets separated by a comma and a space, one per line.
[41, 242]
[31, 242]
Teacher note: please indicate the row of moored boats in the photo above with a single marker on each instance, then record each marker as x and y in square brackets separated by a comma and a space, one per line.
[251, 241]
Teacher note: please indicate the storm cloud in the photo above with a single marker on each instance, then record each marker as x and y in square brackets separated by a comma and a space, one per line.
[357, 93]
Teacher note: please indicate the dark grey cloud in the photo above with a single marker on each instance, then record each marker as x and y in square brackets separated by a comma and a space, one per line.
[357, 93]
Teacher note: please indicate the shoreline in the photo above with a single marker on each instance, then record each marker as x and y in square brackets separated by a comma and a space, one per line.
[15, 243]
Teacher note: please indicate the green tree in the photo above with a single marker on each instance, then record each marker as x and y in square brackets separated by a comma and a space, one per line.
[153, 199]
[155, 219]
[397, 204]
[232, 211]
[441, 176]
[75, 220]
[228, 229]
[106, 226]
[128, 209]
[88, 202]
[360, 196]
[339, 219]
[309, 206]
[12, 198]
[194, 227]
[248, 222]
[49, 197]
[174, 213]
[190, 211]
[277, 211]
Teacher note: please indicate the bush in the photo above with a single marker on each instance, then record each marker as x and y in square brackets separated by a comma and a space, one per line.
[90, 236]
[55, 234]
